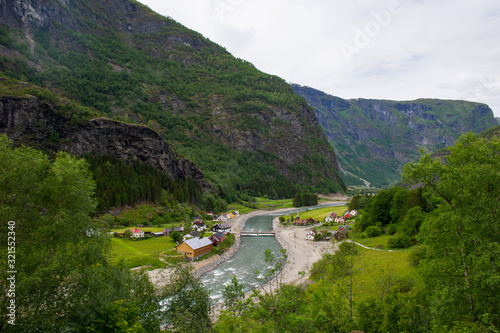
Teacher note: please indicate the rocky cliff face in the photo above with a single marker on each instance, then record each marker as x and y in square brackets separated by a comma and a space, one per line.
[374, 139]
[34, 122]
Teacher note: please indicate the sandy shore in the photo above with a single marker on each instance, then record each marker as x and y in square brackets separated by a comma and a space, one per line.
[301, 253]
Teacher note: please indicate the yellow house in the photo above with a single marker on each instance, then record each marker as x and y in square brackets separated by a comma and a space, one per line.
[195, 247]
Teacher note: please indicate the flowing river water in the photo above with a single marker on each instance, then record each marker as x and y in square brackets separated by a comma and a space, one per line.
[250, 256]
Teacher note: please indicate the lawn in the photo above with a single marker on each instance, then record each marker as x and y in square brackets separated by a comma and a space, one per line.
[372, 270]
[320, 213]
[141, 252]
[373, 242]
[375, 266]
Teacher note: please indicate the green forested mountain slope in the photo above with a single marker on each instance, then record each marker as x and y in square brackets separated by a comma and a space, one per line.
[246, 130]
[374, 139]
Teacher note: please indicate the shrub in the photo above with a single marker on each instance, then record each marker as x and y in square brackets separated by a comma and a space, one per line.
[373, 231]
[417, 253]
[392, 228]
[399, 241]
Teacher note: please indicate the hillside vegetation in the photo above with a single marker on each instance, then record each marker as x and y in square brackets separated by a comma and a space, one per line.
[374, 139]
[247, 131]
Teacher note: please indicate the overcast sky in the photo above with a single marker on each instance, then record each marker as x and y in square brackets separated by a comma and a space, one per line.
[384, 49]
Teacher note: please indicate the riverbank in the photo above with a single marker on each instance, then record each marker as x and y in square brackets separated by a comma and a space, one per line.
[301, 252]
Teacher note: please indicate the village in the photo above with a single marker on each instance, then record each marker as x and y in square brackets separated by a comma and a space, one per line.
[203, 236]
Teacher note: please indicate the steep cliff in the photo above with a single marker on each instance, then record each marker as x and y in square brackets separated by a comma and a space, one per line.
[374, 139]
[246, 130]
[33, 122]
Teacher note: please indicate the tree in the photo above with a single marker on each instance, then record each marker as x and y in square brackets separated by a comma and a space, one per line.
[188, 306]
[276, 297]
[339, 269]
[65, 277]
[176, 236]
[117, 317]
[462, 234]
[233, 295]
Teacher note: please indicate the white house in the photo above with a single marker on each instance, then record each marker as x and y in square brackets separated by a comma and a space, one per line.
[199, 226]
[223, 227]
[136, 233]
[354, 212]
[222, 217]
[310, 235]
[340, 220]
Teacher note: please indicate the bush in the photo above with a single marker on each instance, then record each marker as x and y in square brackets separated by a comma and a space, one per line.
[417, 253]
[392, 228]
[373, 231]
[399, 241]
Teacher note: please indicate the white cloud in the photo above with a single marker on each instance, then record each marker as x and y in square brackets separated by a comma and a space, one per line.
[400, 49]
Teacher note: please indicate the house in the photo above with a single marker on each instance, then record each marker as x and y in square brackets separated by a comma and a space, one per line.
[354, 212]
[158, 234]
[347, 216]
[223, 227]
[168, 231]
[310, 235]
[222, 217]
[331, 217]
[217, 238]
[232, 215]
[340, 219]
[191, 235]
[301, 222]
[195, 247]
[136, 233]
[199, 226]
[340, 234]
[197, 219]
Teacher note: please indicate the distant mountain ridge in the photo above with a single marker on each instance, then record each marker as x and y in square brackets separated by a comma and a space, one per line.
[246, 130]
[374, 139]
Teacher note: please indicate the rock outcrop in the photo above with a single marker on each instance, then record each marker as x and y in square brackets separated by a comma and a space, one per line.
[36, 123]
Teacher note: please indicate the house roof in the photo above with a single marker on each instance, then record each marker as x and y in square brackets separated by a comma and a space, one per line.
[197, 243]
[136, 231]
[219, 235]
[224, 226]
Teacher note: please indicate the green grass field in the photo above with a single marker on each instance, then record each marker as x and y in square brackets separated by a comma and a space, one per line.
[373, 242]
[320, 213]
[372, 271]
[375, 266]
[141, 252]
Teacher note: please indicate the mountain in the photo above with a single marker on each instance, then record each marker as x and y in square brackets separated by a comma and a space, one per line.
[246, 130]
[374, 139]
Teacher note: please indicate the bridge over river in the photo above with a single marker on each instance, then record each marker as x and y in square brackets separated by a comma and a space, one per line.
[258, 233]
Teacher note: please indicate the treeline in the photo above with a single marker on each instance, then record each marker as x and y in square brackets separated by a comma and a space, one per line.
[305, 199]
[396, 210]
[120, 184]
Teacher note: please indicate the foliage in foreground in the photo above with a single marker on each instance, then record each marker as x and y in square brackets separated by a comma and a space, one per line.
[65, 279]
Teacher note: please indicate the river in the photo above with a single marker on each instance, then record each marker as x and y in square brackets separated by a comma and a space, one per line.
[250, 256]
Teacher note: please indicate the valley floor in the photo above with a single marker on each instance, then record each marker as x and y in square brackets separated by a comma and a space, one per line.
[301, 253]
